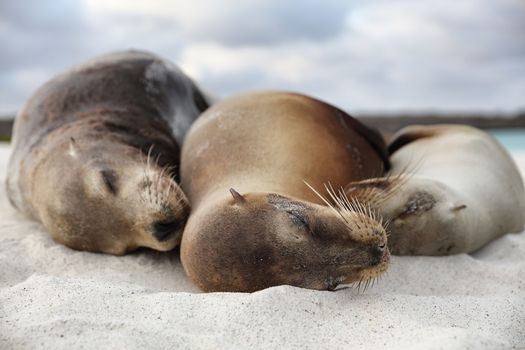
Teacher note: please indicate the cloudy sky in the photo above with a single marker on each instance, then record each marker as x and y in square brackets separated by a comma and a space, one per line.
[360, 55]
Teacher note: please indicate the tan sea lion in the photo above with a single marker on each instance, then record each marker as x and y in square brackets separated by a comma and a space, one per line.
[95, 152]
[452, 190]
[254, 222]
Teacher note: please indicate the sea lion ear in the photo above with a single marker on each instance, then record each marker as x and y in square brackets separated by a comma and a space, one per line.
[239, 199]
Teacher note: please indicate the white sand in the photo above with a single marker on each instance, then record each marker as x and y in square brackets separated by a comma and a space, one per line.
[52, 297]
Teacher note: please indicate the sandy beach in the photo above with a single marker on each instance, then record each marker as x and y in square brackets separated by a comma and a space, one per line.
[55, 297]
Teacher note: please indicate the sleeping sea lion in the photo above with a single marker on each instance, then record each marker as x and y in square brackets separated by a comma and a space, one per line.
[95, 152]
[452, 189]
[247, 165]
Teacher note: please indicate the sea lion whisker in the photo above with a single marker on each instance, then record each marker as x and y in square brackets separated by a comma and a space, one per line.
[170, 170]
[372, 213]
[149, 189]
[363, 208]
[400, 179]
[158, 189]
[361, 283]
[318, 194]
[148, 158]
[340, 201]
[387, 223]
[324, 199]
[168, 191]
[340, 205]
[167, 171]
[142, 163]
[346, 202]
[345, 205]
[148, 180]
[367, 210]
[145, 176]
[343, 200]
[329, 189]
[359, 206]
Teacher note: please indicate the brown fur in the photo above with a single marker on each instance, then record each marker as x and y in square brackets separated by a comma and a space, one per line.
[94, 150]
[276, 230]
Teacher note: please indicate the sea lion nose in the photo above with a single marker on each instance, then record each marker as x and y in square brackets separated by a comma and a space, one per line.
[162, 230]
[378, 253]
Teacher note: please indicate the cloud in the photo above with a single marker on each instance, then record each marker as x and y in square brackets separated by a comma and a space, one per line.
[455, 55]
[234, 22]
[379, 55]
[402, 55]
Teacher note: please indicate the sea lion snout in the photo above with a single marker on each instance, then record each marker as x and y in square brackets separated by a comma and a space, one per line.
[162, 230]
[378, 254]
[163, 211]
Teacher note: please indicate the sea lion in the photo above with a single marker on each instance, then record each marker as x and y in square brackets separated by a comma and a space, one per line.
[254, 222]
[94, 151]
[452, 190]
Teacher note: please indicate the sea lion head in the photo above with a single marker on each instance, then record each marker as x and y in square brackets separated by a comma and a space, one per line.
[109, 197]
[256, 240]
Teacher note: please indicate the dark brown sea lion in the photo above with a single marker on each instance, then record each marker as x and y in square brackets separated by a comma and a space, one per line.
[95, 152]
[255, 223]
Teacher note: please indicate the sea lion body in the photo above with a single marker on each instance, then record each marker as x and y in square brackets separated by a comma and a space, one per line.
[272, 229]
[91, 151]
[462, 190]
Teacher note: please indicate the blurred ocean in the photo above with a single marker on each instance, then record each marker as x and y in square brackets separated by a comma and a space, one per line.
[512, 139]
